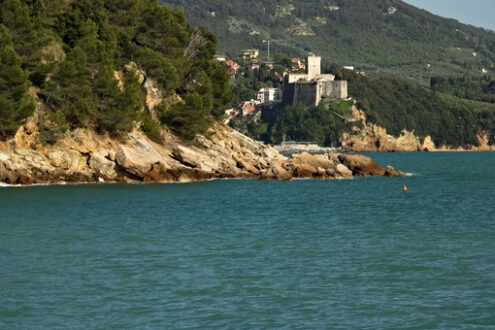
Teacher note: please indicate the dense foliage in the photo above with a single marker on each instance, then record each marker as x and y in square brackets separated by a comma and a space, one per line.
[397, 104]
[79, 55]
[471, 88]
[321, 124]
[14, 103]
[382, 36]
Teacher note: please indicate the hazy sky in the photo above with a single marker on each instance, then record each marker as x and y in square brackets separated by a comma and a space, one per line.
[475, 12]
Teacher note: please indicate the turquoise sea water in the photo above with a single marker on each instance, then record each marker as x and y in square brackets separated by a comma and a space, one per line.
[251, 254]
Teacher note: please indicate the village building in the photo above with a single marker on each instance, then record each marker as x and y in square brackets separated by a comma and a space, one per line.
[247, 108]
[233, 67]
[269, 95]
[260, 96]
[311, 87]
[297, 64]
[220, 58]
[254, 67]
[250, 54]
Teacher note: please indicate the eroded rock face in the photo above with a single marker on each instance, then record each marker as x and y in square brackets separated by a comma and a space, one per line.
[69, 160]
[86, 157]
[373, 138]
[428, 144]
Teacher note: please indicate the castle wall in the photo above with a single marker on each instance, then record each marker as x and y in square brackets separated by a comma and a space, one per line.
[300, 93]
[294, 77]
[333, 90]
[305, 93]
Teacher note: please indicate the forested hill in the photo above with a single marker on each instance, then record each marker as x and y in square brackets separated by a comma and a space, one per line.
[86, 63]
[384, 36]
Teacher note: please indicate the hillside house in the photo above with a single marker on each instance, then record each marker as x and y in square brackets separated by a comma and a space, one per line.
[250, 54]
[247, 108]
[233, 67]
[220, 58]
[269, 95]
[297, 64]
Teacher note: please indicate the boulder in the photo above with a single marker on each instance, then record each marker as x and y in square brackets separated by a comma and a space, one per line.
[100, 163]
[390, 171]
[276, 172]
[361, 165]
[187, 156]
[244, 164]
[304, 170]
[138, 156]
[315, 161]
[322, 173]
[30, 159]
[69, 160]
[341, 171]
[159, 173]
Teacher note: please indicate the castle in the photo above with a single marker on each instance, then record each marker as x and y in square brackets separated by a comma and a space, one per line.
[311, 87]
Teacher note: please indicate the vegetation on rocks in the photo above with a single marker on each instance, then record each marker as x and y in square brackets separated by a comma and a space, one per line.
[78, 54]
[396, 104]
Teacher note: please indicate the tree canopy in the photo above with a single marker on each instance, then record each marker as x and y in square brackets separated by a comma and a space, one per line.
[77, 54]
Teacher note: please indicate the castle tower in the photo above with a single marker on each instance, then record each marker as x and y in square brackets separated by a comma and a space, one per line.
[313, 66]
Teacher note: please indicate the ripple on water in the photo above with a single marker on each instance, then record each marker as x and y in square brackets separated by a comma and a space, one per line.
[254, 254]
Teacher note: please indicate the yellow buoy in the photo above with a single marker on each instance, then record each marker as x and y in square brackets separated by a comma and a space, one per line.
[405, 188]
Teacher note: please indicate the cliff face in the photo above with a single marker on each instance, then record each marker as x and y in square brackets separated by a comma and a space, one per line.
[83, 156]
[373, 138]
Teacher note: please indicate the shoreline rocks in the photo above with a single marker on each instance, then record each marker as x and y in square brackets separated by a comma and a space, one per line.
[83, 156]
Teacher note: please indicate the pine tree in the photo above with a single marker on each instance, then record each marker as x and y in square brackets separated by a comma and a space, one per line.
[15, 105]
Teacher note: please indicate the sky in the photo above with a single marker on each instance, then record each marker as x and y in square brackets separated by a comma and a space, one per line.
[475, 12]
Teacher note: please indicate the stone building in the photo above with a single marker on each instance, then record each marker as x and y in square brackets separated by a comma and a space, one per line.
[311, 87]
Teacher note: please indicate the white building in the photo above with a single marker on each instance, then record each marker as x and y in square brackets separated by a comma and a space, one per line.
[267, 95]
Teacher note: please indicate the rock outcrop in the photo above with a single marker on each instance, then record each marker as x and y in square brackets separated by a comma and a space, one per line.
[83, 156]
[484, 145]
[373, 138]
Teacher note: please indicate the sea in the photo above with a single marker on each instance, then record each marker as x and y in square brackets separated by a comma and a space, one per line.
[246, 254]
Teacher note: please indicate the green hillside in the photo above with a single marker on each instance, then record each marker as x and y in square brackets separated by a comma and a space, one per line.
[376, 36]
[85, 63]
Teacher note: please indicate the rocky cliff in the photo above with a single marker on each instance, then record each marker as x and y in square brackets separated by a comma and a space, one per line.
[83, 156]
[373, 138]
